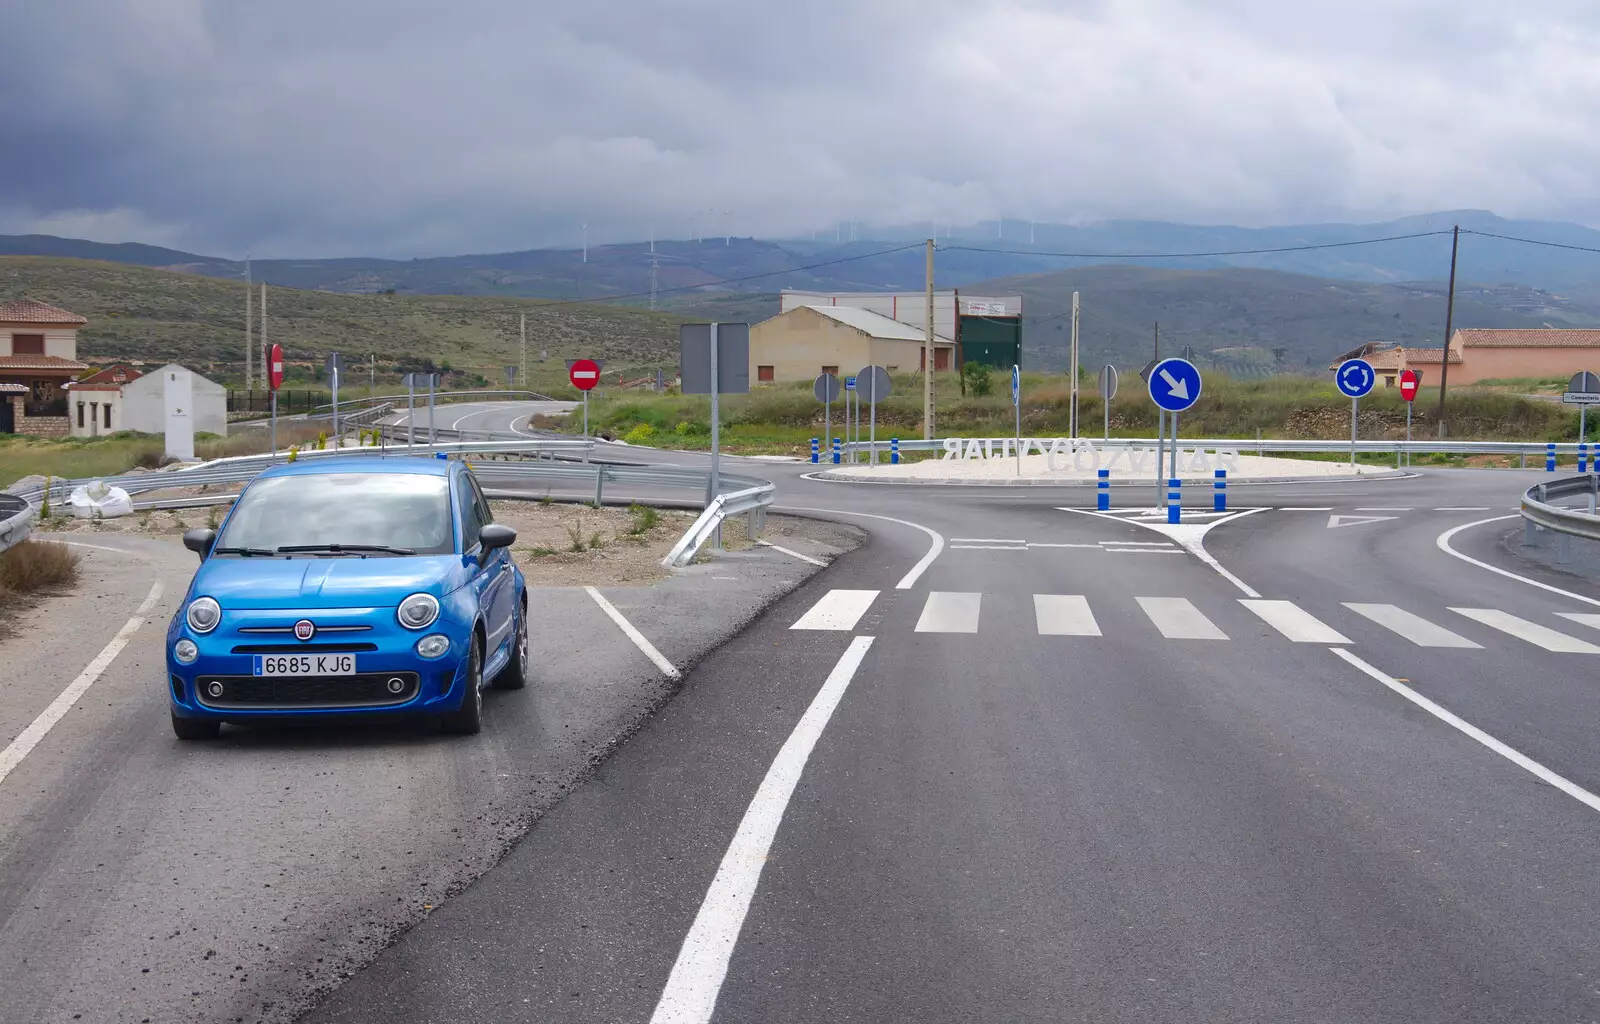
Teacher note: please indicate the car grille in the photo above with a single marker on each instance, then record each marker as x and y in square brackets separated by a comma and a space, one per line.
[303, 648]
[369, 689]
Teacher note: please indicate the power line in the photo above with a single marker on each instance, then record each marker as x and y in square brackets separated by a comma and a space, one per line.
[1192, 255]
[1528, 241]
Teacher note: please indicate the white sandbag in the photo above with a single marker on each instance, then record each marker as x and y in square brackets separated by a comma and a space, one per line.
[99, 500]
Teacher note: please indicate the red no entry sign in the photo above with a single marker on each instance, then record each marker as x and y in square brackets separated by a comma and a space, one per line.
[584, 374]
[1408, 385]
[275, 367]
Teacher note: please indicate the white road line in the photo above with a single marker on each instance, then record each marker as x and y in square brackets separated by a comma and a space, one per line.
[1177, 619]
[1191, 537]
[984, 540]
[29, 738]
[1137, 543]
[988, 547]
[1463, 508]
[948, 612]
[690, 995]
[1143, 551]
[1407, 509]
[1582, 618]
[1413, 627]
[1443, 543]
[1522, 629]
[1305, 508]
[99, 547]
[909, 580]
[1517, 758]
[1295, 623]
[1042, 544]
[792, 554]
[838, 610]
[637, 637]
[1064, 615]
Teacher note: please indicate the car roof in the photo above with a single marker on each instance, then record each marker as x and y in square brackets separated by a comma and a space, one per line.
[391, 464]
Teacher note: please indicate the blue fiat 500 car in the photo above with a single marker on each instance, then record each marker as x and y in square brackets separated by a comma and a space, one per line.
[350, 586]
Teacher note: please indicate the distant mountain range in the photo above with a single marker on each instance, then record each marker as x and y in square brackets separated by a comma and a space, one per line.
[1249, 313]
[699, 269]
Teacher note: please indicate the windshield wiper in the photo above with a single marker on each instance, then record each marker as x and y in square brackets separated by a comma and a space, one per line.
[243, 551]
[345, 549]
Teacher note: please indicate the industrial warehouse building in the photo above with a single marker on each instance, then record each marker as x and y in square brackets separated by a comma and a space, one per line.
[839, 333]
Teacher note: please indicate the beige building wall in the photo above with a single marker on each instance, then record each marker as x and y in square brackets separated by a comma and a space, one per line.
[802, 343]
[58, 341]
[1487, 363]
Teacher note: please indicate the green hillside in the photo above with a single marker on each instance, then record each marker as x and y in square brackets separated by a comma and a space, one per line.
[137, 313]
[1262, 320]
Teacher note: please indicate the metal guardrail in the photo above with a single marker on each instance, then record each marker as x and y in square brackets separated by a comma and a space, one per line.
[1540, 511]
[243, 468]
[1262, 446]
[442, 396]
[511, 479]
[751, 500]
[16, 520]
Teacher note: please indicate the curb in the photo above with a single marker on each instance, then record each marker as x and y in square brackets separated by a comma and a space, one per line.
[1205, 482]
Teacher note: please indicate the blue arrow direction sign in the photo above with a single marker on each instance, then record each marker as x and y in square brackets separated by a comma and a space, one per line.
[1355, 377]
[1016, 385]
[1174, 384]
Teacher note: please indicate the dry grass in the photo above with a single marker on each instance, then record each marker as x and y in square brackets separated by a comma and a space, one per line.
[36, 565]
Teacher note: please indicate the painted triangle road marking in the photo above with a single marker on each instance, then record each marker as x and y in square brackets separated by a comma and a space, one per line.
[1336, 521]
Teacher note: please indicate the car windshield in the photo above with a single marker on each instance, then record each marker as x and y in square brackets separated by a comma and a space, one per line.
[408, 511]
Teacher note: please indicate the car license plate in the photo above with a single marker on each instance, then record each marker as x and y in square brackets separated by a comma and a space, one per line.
[305, 665]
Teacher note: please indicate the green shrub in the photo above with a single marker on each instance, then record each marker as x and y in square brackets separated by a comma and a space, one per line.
[640, 434]
[978, 379]
[691, 428]
[35, 564]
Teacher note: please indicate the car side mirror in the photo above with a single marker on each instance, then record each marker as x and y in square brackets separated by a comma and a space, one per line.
[200, 541]
[494, 535]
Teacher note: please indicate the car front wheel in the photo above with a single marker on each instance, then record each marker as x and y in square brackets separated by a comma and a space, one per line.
[468, 719]
[515, 675]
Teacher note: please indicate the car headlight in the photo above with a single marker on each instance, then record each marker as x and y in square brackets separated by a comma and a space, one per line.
[417, 611]
[185, 652]
[204, 614]
[433, 645]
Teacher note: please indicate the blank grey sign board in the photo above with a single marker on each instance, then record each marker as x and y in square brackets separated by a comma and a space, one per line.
[733, 358]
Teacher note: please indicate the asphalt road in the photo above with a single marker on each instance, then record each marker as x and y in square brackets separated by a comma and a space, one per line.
[1013, 762]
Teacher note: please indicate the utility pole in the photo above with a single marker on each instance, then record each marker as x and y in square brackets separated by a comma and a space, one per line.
[928, 354]
[264, 326]
[1449, 316]
[249, 358]
[655, 284]
[1157, 353]
[525, 383]
[586, 241]
[1073, 418]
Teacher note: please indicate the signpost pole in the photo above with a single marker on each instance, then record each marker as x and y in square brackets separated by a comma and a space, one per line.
[1354, 403]
[712, 481]
[1161, 449]
[335, 376]
[1583, 423]
[411, 409]
[827, 419]
[1408, 433]
[432, 438]
[1016, 404]
[1173, 447]
[586, 414]
[274, 426]
[872, 423]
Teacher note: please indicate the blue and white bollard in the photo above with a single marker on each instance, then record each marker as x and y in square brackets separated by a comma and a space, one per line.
[1174, 499]
[1583, 457]
[816, 455]
[894, 451]
[1550, 457]
[836, 451]
[1102, 494]
[1219, 497]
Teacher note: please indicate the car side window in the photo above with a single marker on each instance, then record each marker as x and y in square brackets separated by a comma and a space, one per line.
[485, 513]
[471, 520]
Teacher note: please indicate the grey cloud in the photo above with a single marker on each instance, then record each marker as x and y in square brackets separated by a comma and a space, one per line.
[409, 127]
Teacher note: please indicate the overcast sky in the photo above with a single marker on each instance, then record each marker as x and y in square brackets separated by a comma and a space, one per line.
[428, 127]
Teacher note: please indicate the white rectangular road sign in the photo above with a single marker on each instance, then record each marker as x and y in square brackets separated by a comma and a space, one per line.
[1581, 398]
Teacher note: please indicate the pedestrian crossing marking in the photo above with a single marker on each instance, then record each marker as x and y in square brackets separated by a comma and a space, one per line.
[950, 612]
[1582, 618]
[1413, 627]
[1522, 629]
[1294, 622]
[1064, 615]
[837, 610]
[1177, 619]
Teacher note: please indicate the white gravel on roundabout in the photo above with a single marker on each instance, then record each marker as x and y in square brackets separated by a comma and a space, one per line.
[1124, 464]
